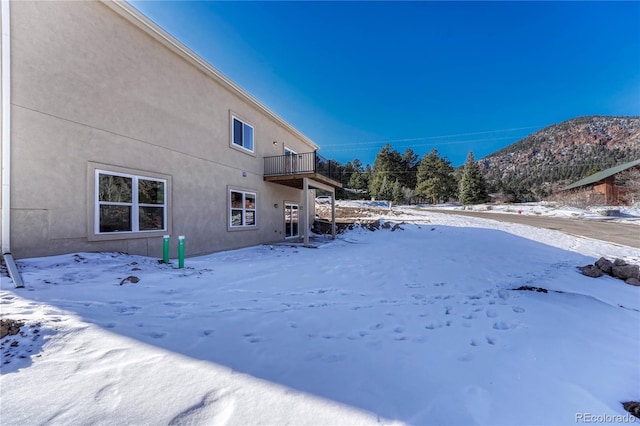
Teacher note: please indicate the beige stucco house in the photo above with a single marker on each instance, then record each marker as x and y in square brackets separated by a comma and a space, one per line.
[115, 134]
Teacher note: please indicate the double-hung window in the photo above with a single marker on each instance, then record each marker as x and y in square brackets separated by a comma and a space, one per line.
[242, 209]
[129, 203]
[242, 134]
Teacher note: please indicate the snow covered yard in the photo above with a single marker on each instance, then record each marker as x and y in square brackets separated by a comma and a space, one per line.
[626, 214]
[422, 326]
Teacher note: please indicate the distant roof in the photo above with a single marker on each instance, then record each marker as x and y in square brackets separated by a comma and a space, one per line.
[597, 177]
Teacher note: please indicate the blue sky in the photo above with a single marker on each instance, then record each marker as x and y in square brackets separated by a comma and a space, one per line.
[455, 76]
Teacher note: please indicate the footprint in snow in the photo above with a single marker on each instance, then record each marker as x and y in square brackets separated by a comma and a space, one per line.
[433, 325]
[251, 338]
[319, 356]
[501, 325]
[216, 406]
[518, 309]
[377, 326]
[414, 285]
[108, 396]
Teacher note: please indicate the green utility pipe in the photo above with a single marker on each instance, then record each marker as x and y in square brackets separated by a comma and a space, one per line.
[181, 251]
[165, 249]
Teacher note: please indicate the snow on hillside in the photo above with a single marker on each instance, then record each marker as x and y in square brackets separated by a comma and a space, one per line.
[423, 325]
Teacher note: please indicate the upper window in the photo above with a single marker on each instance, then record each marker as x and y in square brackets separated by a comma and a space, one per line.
[242, 134]
[243, 209]
[129, 203]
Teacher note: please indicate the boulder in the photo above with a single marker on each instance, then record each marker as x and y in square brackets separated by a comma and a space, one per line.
[131, 278]
[9, 327]
[633, 281]
[625, 272]
[591, 271]
[619, 262]
[632, 407]
[605, 265]
[396, 227]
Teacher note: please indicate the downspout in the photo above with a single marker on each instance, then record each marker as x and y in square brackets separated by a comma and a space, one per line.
[6, 146]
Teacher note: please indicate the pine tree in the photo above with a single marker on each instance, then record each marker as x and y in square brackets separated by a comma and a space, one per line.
[396, 192]
[409, 166]
[473, 187]
[389, 164]
[394, 166]
[435, 179]
[386, 189]
[358, 179]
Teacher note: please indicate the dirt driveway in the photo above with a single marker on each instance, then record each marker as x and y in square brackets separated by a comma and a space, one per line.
[619, 233]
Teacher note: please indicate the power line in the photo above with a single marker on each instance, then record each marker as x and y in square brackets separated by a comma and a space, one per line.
[430, 137]
[425, 144]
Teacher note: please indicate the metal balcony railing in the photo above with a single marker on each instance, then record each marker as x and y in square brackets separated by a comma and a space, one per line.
[298, 164]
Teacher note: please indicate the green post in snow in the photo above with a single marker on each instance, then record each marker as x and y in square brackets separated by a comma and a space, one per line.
[181, 251]
[165, 249]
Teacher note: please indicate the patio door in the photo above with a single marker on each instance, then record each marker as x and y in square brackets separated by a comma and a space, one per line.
[291, 229]
[291, 160]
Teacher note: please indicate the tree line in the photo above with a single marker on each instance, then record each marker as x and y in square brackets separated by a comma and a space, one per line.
[405, 178]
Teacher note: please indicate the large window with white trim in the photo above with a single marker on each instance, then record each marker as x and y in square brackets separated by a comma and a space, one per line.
[242, 212]
[129, 203]
[241, 134]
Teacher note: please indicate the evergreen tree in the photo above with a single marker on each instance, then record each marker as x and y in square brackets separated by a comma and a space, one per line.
[409, 167]
[388, 164]
[347, 171]
[396, 192]
[394, 166]
[591, 171]
[358, 179]
[386, 190]
[473, 187]
[435, 179]
[379, 172]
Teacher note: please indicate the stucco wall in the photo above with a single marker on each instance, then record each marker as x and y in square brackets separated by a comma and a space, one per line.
[91, 88]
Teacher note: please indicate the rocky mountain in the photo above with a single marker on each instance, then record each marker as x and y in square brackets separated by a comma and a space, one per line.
[561, 154]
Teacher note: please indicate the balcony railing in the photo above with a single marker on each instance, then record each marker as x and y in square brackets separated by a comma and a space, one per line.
[299, 164]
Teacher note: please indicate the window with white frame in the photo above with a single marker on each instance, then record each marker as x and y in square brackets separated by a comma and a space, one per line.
[242, 209]
[242, 134]
[129, 203]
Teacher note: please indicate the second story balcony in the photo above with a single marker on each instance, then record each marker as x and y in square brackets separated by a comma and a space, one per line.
[291, 168]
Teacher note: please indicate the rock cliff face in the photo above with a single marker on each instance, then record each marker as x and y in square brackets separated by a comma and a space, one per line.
[563, 153]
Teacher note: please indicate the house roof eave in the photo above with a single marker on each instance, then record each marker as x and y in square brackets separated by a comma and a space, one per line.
[137, 18]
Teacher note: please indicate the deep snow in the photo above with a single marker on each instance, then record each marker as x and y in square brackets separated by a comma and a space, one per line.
[421, 325]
